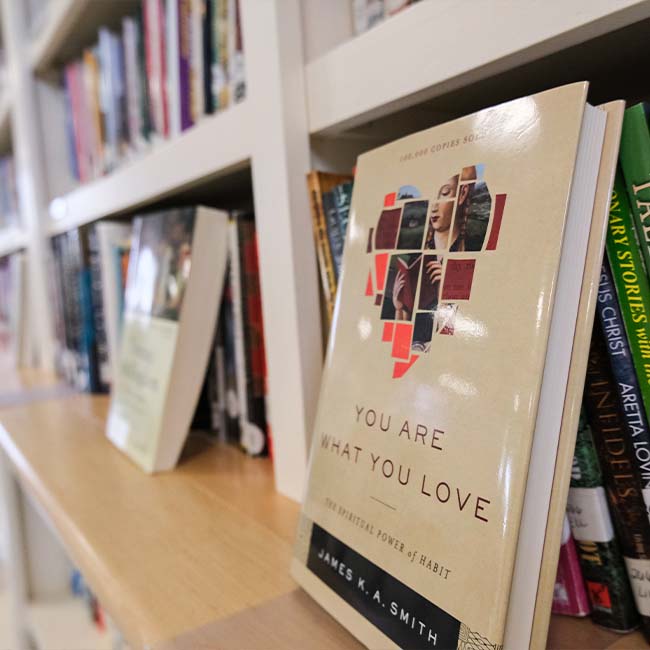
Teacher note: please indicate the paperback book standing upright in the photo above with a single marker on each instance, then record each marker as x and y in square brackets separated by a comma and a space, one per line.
[448, 372]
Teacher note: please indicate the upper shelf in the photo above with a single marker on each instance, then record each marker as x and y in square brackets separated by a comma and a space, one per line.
[11, 240]
[67, 26]
[218, 145]
[435, 48]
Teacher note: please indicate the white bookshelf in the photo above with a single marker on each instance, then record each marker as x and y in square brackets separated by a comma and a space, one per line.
[12, 240]
[437, 47]
[316, 95]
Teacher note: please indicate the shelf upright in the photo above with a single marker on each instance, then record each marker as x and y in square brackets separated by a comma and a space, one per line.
[280, 161]
[31, 179]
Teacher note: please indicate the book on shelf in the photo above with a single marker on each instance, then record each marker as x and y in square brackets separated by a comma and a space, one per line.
[329, 196]
[569, 594]
[169, 65]
[368, 13]
[599, 552]
[175, 280]
[114, 247]
[8, 193]
[442, 422]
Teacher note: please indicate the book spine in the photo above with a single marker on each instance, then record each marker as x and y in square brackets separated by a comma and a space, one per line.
[238, 331]
[237, 71]
[635, 161]
[172, 51]
[569, 594]
[72, 120]
[196, 59]
[222, 86]
[129, 38]
[233, 432]
[144, 100]
[323, 252]
[208, 49]
[632, 286]
[343, 195]
[333, 226]
[256, 438]
[623, 371]
[621, 478]
[598, 550]
[97, 307]
[184, 16]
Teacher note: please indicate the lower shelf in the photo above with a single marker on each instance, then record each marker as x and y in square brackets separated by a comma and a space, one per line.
[65, 623]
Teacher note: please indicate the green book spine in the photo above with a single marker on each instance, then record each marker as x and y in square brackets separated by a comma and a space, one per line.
[635, 161]
[599, 554]
[632, 285]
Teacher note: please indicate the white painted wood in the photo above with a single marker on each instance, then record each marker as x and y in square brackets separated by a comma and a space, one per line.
[437, 46]
[219, 144]
[325, 25]
[57, 23]
[273, 45]
[30, 179]
[11, 240]
[11, 529]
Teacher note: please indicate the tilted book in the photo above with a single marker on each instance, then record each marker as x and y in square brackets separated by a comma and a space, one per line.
[433, 414]
[174, 285]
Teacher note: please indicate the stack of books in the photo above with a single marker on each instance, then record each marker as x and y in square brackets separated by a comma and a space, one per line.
[172, 63]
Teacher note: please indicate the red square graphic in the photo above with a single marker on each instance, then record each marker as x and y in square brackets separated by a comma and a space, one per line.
[402, 340]
[381, 264]
[400, 367]
[369, 291]
[599, 594]
[459, 275]
[387, 334]
[389, 199]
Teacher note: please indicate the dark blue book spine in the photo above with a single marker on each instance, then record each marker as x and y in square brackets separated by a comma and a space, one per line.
[618, 349]
[333, 230]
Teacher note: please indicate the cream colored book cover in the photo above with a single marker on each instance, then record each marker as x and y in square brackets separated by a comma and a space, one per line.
[174, 284]
[434, 373]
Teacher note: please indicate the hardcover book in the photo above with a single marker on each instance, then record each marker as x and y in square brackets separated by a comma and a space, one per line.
[174, 285]
[433, 414]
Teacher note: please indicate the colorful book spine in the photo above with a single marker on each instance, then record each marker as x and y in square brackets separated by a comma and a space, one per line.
[569, 593]
[599, 553]
[333, 226]
[184, 17]
[103, 374]
[623, 371]
[632, 286]
[635, 161]
[622, 481]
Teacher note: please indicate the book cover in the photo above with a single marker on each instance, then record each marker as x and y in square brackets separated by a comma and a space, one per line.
[569, 595]
[334, 233]
[621, 477]
[635, 162]
[598, 549]
[174, 284]
[425, 435]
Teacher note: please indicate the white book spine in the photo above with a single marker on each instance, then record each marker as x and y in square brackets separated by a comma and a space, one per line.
[173, 69]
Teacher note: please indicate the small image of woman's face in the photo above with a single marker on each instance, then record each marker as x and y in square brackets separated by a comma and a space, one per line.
[441, 213]
[443, 209]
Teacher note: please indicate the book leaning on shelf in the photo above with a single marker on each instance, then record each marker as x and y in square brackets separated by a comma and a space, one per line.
[448, 388]
[175, 280]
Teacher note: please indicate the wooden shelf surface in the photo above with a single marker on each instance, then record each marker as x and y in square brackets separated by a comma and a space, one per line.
[197, 557]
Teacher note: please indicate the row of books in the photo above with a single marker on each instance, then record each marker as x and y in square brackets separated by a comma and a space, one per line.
[114, 279]
[173, 63]
[8, 193]
[368, 13]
